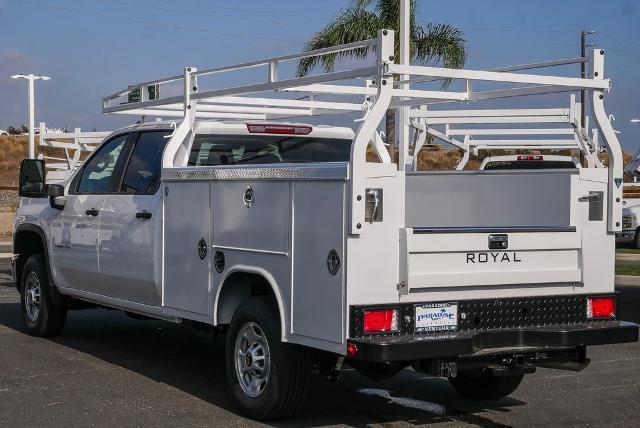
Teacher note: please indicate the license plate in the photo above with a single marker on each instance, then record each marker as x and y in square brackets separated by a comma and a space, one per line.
[436, 317]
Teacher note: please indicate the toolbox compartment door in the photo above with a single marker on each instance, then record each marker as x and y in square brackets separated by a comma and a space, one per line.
[454, 259]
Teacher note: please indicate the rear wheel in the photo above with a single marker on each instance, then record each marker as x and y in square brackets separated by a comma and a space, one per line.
[483, 385]
[268, 378]
[636, 239]
[40, 316]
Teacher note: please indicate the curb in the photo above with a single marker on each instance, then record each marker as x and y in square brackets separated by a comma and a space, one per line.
[628, 257]
[628, 280]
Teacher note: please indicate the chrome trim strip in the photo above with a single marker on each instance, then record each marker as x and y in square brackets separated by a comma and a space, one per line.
[250, 250]
[284, 171]
[513, 229]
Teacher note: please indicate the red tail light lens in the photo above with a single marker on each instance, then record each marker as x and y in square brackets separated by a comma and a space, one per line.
[352, 349]
[529, 157]
[263, 128]
[380, 320]
[601, 307]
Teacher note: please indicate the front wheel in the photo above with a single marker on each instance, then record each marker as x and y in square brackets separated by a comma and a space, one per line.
[483, 385]
[40, 316]
[268, 378]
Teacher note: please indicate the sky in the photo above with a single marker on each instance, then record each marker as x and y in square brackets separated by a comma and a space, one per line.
[93, 48]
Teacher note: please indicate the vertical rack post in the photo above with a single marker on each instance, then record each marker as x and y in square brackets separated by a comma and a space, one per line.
[614, 199]
[357, 173]
[402, 113]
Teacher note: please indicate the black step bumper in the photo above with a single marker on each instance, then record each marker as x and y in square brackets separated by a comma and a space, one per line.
[387, 348]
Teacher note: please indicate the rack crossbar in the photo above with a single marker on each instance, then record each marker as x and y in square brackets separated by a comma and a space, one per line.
[534, 79]
[514, 131]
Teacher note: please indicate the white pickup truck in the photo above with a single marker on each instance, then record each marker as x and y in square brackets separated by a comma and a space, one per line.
[630, 233]
[283, 237]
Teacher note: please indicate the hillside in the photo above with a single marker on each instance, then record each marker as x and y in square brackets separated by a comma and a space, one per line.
[12, 150]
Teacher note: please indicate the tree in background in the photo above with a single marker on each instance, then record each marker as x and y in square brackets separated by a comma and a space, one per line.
[17, 131]
[430, 43]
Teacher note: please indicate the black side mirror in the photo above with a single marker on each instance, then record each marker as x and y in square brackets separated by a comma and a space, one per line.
[57, 200]
[32, 179]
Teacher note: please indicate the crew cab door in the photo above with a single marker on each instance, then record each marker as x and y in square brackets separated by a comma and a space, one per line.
[129, 249]
[74, 231]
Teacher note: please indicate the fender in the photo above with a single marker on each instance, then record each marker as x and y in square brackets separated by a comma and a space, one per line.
[56, 297]
[270, 280]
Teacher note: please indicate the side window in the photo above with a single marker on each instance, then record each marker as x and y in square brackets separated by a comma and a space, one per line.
[143, 172]
[98, 172]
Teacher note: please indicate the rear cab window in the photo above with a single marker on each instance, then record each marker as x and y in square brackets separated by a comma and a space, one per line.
[212, 149]
[142, 175]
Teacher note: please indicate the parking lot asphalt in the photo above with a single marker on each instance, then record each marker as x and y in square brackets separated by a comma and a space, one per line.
[106, 369]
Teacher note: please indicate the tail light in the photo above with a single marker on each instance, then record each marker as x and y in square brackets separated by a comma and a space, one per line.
[380, 320]
[601, 307]
[530, 157]
[352, 349]
[264, 128]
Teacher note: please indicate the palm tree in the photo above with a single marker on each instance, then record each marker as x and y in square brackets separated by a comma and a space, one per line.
[436, 43]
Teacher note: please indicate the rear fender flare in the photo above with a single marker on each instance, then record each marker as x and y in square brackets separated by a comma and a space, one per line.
[267, 277]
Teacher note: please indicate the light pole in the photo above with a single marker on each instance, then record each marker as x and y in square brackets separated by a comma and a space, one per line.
[583, 69]
[30, 78]
[402, 114]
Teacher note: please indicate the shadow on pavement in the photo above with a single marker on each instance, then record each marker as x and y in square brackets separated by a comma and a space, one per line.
[170, 354]
[629, 302]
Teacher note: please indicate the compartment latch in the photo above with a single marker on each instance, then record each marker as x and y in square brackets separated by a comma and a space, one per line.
[596, 205]
[498, 242]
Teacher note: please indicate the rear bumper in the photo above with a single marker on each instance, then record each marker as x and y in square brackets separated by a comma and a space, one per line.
[468, 343]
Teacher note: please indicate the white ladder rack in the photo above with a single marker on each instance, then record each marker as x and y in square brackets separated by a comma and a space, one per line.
[349, 91]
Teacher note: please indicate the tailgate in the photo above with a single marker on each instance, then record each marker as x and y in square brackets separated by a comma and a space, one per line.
[483, 228]
[462, 258]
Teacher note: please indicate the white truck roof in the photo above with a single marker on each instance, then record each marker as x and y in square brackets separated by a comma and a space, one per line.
[242, 128]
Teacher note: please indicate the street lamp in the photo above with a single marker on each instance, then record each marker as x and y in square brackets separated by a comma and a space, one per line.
[30, 78]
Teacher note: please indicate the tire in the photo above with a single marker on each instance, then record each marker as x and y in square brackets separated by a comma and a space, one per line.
[636, 239]
[41, 318]
[482, 385]
[281, 380]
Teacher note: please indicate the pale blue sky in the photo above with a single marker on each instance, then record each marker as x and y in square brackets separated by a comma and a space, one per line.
[94, 47]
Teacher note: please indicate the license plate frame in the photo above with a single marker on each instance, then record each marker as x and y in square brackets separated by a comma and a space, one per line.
[435, 317]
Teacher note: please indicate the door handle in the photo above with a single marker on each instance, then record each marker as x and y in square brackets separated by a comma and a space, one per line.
[591, 197]
[144, 214]
[92, 212]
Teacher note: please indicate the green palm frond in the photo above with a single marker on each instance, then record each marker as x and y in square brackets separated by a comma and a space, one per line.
[389, 13]
[440, 43]
[350, 25]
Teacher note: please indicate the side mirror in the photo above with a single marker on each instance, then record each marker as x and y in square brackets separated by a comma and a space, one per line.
[57, 199]
[32, 176]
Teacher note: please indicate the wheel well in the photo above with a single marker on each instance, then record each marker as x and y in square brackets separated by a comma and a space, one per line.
[25, 244]
[236, 289]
